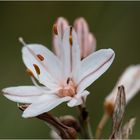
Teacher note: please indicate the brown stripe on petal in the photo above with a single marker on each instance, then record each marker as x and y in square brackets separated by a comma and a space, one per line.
[55, 31]
[30, 72]
[40, 57]
[37, 69]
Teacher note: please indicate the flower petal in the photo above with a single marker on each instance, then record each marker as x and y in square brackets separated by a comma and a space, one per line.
[91, 46]
[130, 79]
[82, 31]
[44, 104]
[76, 59]
[23, 91]
[78, 99]
[49, 68]
[66, 55]
[87, 41]
[61, 25]
[94, 66]
[22, 94]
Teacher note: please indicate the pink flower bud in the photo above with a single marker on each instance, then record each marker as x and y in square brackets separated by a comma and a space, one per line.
[87, 41]
[130, 79]
[60, 25]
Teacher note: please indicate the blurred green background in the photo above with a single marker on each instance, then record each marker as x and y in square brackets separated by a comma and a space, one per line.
[116, 25]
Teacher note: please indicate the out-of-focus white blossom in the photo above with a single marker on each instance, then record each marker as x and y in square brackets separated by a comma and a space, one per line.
[130, 79]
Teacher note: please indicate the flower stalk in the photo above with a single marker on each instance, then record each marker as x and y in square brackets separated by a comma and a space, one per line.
[101, 125]
[85, 123]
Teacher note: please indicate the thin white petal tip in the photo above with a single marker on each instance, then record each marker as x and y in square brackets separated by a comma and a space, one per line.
[26, 115]
[111, 50]
[4, 90]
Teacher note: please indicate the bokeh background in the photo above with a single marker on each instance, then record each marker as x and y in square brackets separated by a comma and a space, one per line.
[116, 25]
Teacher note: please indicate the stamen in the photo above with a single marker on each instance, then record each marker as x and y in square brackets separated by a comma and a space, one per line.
[71, 31]
[70, 37]
[35, 83]
[30, 72]
[55, 29]
[37, 69]
[21, 41]
[68, 80]
[40, 57]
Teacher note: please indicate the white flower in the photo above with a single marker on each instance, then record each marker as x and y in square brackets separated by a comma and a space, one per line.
[63, 78]
[130, 79]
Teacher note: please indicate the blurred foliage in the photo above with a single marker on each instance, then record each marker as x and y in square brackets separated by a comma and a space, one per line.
[116, 25]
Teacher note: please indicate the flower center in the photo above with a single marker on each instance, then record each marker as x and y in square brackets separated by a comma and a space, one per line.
[69, 89]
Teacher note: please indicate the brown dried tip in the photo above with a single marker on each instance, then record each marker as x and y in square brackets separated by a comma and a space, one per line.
[37, 69]
[55, 31]
[40, 57]
[29, 72]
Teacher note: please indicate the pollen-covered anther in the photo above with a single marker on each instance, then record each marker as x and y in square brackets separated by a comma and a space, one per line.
[66, 92]
[70, 37]
[40, 57]
[55, 31]
[70, 40]
[37, 69]
[30, 72]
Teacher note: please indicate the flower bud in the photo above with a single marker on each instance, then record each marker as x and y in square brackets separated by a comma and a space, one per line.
[87, 41]
[130, 79]
[60, 25]
[70, 121]
[72, 127]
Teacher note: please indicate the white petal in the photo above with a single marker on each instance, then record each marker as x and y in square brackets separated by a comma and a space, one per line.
[91, 45]
[76, 59]
[130, 79]
[94, 66]
[44, 104]
[21, 99]
[78, 99]
[82, 31]
[50, 70]
[23, 91]
[22, 94]
[62, 24]
[66, 55]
